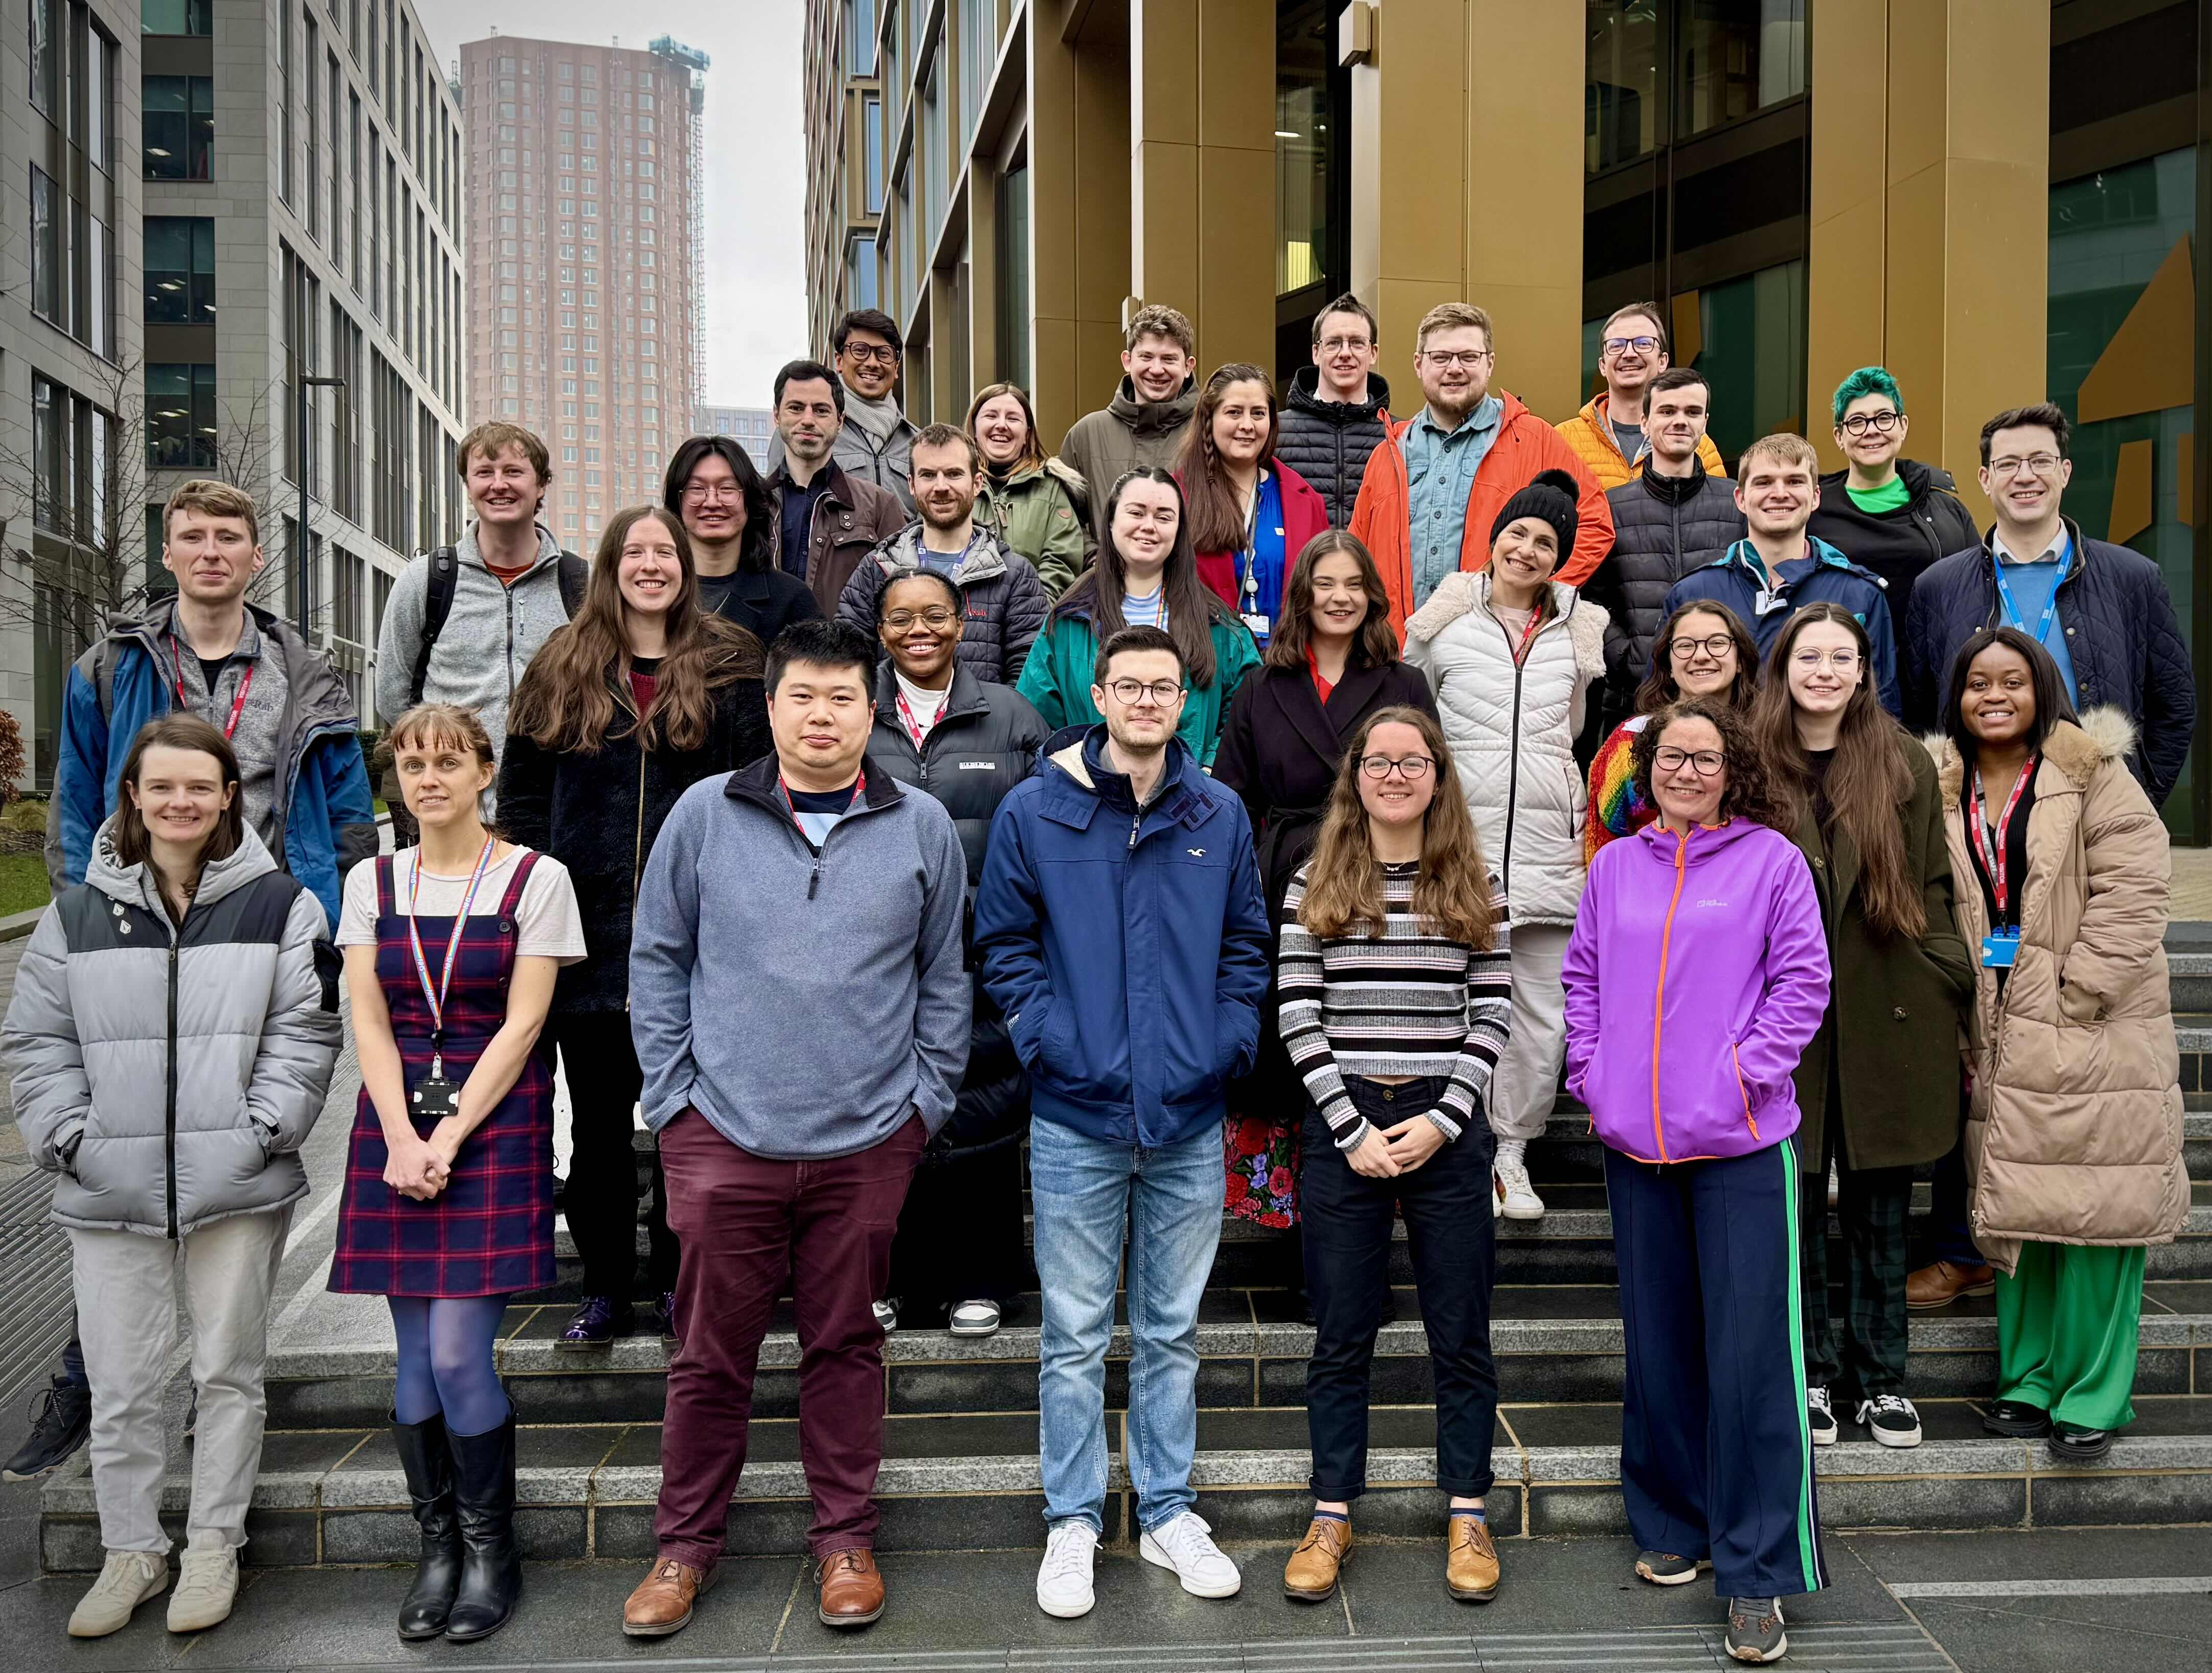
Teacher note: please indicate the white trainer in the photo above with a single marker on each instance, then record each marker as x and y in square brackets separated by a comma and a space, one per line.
[207, 1584]
[1186, 1545]
[975, 1318]
[887, 1315]
[1516, 1198]
[1064, 1578]
[126, 1579]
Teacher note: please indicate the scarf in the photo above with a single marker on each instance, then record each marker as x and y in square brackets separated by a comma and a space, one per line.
[878, 419]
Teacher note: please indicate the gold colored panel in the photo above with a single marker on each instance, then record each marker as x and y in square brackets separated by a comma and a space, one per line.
[1163, 48]
[1237, 74]
[2150, 363]
[1688, 329]
[2131, 489]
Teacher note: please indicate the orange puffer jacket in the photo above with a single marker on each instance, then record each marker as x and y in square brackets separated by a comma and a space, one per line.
[1590, 432]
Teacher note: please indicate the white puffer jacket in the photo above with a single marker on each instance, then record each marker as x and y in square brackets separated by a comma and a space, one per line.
[1512, 731]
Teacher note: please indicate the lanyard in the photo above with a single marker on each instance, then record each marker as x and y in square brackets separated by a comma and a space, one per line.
[860, 785]
[2000, 887]
[237, 703]
[2012, 609]
[437, 996]
[914, 728]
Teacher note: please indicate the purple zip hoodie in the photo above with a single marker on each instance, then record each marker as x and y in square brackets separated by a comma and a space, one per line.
[1696, 976]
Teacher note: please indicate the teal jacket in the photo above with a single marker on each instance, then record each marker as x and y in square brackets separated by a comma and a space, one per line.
[1057, 680]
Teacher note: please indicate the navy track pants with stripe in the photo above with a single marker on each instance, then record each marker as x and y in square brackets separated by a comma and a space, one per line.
[1716, 1452]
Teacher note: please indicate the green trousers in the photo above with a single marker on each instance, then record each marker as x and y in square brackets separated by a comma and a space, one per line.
[2067, 1328]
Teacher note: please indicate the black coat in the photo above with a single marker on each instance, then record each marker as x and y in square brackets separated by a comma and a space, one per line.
[1327, 442]
[984, 744]
[1898, 545]
[1663, 527]
[764, 602]
[598, 814]
[2121, 636]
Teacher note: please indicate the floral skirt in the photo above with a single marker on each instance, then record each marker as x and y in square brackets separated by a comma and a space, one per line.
[1261, 1160]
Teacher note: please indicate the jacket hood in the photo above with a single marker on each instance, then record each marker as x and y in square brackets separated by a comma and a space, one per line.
[985, 560]
[1305, 396]
[1920, 479]
[2077, 749]
[1145, 417]
[1513, 409]
[136, 885]
[1461, 591]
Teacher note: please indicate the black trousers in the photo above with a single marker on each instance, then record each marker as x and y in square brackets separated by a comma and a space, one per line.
[960, 1234]
[604, 1081]
[1867, 1357]
[1446, 1203]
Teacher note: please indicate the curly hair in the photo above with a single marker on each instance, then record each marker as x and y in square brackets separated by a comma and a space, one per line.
[1748, 795]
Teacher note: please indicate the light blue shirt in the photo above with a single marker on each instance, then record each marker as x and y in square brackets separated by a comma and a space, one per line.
[1440, 467]
[2033, 581]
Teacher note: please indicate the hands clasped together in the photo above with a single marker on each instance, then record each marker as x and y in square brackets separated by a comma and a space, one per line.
[1385, 1153]
[421, 1167]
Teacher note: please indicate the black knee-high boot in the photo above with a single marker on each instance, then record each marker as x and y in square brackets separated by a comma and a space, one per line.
[429, 1469]
[491, 1564]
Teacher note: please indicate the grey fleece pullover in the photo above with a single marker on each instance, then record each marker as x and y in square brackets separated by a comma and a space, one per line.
[828, 985]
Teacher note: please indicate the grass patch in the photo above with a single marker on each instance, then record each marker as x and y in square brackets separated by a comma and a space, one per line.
[22, 882]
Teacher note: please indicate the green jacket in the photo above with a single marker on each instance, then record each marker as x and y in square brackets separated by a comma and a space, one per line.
[1058, 679]
[1043, 514]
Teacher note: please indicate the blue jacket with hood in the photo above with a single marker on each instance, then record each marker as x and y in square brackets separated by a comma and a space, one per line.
[1826, 576]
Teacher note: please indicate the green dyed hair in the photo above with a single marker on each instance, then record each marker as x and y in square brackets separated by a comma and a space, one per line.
[1867, 380]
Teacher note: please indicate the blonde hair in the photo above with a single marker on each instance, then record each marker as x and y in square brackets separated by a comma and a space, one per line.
[1783, 448]
[210, 498]
[1453, 317]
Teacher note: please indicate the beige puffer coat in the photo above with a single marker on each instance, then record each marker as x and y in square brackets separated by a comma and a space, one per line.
[2073, 1126]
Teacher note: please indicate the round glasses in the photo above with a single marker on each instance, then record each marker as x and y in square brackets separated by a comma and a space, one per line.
[1714, 646]
[1130, 693]
[1881, 423]
[1704, 763]
[1412, 768]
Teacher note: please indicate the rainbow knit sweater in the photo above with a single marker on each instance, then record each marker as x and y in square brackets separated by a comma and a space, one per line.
[1615, 809]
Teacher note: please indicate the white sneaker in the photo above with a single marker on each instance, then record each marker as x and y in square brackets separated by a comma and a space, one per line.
[1516, 1197]
[207, 1584]
[1186, 1545]
[1820, 1416]
[1064, 1578]
[886, 1315]
[126, 1579]
[975, 1318]
[1890, 1419]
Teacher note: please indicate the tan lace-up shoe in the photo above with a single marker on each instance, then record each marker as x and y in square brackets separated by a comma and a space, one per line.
[664, 1600]
[1471, 1568]
[1310, 1575]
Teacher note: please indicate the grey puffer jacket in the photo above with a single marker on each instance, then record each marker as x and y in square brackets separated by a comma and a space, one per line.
[169, 1073]
[1003, 601]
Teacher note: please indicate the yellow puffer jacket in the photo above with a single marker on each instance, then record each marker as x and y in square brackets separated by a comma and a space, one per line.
[1591, 437]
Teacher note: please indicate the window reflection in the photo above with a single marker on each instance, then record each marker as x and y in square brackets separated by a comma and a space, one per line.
[1620, 92]
[1738, 57]
[1301, 145]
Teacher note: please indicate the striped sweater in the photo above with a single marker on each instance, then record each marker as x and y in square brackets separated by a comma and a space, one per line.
[1408, 1002]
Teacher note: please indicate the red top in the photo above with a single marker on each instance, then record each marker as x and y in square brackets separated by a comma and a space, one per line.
[507, 577]
[1321, 687]
[641, 687]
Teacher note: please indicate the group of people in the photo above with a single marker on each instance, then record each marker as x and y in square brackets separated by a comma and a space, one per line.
[1223, 833]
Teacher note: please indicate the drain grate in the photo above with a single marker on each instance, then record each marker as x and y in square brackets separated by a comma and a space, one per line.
[34, 1276]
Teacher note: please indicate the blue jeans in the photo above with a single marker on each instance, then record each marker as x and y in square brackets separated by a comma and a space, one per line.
[1090, 1197]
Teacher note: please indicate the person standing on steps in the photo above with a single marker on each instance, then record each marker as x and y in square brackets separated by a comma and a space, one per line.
[1514, 657]
[1397, 986]
[1877, 1091]
[1250, 514]
[1696, 976]
[1036, 506]
[731, 522]
[1122, 934]
[871, 445]
[2074, 1120]
[1338, 408]
[452, 950]
[825, 522]
[1142, 427]
[624, 709]
[184, 958]
[1613, 432]
[958, 1258]
[816, 898]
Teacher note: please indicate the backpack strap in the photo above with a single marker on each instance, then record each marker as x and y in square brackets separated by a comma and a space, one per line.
[437, 605]
[574, 573]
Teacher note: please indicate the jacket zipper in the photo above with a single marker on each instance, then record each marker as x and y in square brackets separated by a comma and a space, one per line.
[1513, 763]
[1659, 999]
[509, 592]
[1742, 1091]
[170, 1115]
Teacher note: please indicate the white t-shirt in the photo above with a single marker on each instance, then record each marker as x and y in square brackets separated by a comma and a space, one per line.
[548, 924]
[927, 708]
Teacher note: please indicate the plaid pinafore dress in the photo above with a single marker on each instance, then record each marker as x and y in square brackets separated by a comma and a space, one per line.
[490, 1232]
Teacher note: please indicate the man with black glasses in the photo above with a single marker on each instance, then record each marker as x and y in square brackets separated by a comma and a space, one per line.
[877, 437]
[1612, 434]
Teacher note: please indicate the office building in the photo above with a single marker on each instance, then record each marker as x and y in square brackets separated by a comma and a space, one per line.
[1997, 202]
[750, 425]
[585, 212]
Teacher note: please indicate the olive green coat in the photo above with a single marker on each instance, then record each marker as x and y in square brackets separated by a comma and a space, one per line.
[1896, 1007]
[1041, 512]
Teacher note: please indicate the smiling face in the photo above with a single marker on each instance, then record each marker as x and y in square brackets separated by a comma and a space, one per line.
[1157, 367]
[1340, 600]
[1684, 794]
[1823, 668]
[943, 483]
[1524, 555]
[920, 630]
[1138, 721]
[1240, 421]
[1001, 431]
[504, 488]
[1346, 354]
[2025, 478]
[1709, 668]
[1629, 369]
[713, 503]
[1396, 799]
[1999, 705]
[820, 718]
[1674, 421]
[180, 794]
[868, 364]
[1146, 517]
[650, 572]
[1454, 364]
[1865, 443]
[213, 558]
[808, 420]
[1775, 496]
[439, 779]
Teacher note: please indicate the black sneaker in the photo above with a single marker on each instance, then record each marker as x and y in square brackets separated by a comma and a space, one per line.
[597, 1322]
[1754, 1630]
[1890, 1419]
[2015, 1420]
[660, 1315]
[2071, 1443]
[1821, 1417]
[64, 1419]
[1667, 1568]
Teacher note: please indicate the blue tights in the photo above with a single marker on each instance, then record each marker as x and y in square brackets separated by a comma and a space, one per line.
[446, 1361]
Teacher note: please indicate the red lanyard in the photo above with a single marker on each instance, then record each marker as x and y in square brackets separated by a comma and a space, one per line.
[237, 703]
[914, 728]
[783, 790]
[2000, 887]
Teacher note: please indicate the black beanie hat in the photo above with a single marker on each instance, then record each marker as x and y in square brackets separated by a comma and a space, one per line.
[1551, 497]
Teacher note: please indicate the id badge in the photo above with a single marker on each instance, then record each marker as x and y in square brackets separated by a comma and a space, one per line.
[1257, 625]
[1999, 949]
[435, 1097]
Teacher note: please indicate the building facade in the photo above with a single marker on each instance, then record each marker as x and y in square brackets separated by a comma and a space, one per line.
[751, 426]
[1996, 198]
[585, 236]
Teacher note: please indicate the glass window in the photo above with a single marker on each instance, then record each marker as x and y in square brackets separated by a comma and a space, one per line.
[1013, 258]
[979, 54]
[1738, 57]
[179, 270]
[50, 493]
[1753, 357]
[176, 17]
[860, 18]
[1302, 147]
[180, 428]
[862, 291]
[45, 57]
[99, 286]
[872, 122]
[1620, 83]
[99, 100]
[931, 163]
[46, 247]
[179, 127]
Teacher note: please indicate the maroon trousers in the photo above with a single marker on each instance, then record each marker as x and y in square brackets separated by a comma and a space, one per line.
[745, 1223]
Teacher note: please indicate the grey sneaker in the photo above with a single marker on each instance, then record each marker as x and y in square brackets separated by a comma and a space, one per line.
[1754, 1630]
[127, 1580]
[1667, 1569]
[207, 1584]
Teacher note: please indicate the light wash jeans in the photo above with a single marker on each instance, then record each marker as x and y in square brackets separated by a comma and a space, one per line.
[1090, 1197]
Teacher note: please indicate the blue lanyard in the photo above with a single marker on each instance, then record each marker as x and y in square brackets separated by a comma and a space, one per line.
[2012, 609]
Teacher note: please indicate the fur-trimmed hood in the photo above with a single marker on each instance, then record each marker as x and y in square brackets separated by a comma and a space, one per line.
[1461, 591]
[2077, 748]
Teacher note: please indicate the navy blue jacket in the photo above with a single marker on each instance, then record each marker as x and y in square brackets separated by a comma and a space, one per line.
[1737, 577]
[2121, 636]
[1128, 948]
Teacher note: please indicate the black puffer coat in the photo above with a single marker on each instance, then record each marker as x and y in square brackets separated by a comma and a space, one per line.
[1898, 545]
[598, 814]
[1663, 527]
[2121, 636]
[1004, 601]
[984, 744]
[1327, 442]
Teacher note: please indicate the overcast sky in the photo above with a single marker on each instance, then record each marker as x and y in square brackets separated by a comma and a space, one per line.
[756, 156]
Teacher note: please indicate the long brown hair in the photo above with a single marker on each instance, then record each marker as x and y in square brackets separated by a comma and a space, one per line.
[1032, 451]
[568, 699]
[1869, 781]
[1217, 515]
[1749, 795]
[1193, 607]
[1344, 883]
[1659, 688]
[134, 844]
[1376, 644]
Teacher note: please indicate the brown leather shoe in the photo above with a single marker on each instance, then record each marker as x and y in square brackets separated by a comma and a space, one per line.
[664, 1600]
[851, 1588]
[1471, 1564]
[1944, 1282]
[1309, 1577]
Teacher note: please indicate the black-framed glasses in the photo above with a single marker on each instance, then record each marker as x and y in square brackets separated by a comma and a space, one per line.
[1469, 358]
[1881, 423]
[882, 353]
[1622, 345]
[937, 616]
[2040, 465]
[1412, 768]
[1704, 763]
[1714, 646]
[1130, 693]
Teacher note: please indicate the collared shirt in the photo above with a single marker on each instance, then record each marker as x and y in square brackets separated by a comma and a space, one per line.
[2033, 582]
[1440, 467]
[798, 520]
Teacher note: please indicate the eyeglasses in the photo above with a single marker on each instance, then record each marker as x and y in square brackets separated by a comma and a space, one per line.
[1622, 345]
[1339, 345]
[1714, 646]
[1842, 661]
[1704, 763]
[938, 616]
[882, 353]
[1446, 358]
[697, 493]
[1130, 693]
[1881, 423]
[2040, 465]
[1412, 768]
